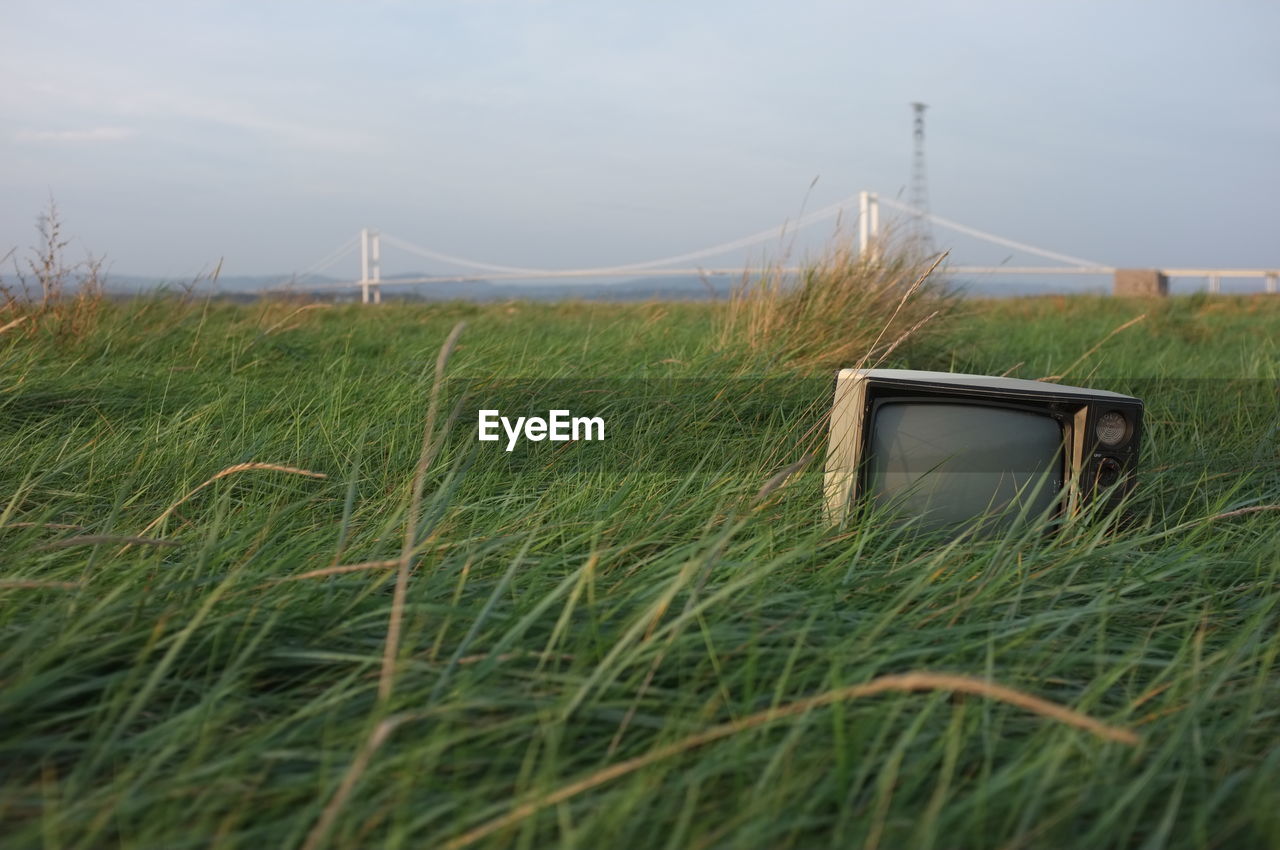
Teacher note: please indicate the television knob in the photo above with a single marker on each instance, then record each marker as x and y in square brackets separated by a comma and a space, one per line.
[1108, 472]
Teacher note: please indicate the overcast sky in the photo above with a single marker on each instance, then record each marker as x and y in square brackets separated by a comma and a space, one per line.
[559, 134]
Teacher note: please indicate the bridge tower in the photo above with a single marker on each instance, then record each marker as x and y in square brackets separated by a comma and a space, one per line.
[919, 232]
[370, 266]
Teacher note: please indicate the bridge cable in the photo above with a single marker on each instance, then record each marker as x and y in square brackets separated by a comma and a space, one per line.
[744, 242]
[991, 237]
[328, 260]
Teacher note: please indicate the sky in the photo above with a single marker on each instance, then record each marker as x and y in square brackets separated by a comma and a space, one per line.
[567, 134]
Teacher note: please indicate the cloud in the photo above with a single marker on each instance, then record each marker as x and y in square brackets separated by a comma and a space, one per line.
[148, 107]
[94, 134]
[244, 117]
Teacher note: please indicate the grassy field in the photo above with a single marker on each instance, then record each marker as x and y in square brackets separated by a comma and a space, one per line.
[624, 643]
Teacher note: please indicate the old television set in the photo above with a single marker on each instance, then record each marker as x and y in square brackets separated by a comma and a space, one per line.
[950, 451]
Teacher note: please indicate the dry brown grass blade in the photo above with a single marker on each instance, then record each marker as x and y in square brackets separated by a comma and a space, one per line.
[232, 470]
[1151, 693]
[1242, 511]
[95, 539]
[1100, 343]
[903, 682]
[431, 443]
[512, 656]
[780, 477]
[301, 309]
[339, 570]
[13, 324]
[905, 335]
[35, 583]
[357, 768]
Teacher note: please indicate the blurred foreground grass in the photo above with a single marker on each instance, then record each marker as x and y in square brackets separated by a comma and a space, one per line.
[575, 608]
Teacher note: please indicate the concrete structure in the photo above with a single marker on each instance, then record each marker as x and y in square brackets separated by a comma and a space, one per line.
[1140, 282]
[1215, 276]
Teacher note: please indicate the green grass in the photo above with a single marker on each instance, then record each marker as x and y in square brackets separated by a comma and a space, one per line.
[576, 606]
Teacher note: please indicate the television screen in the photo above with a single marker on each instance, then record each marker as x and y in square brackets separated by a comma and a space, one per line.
[949, 451]
[954, 463]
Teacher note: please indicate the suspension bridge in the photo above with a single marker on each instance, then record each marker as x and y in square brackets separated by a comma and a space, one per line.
[370, 283]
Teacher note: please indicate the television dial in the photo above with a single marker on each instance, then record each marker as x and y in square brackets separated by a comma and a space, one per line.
[1108, 472]
[1111, 428]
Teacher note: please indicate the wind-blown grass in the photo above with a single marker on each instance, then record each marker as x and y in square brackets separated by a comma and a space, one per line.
[652, 623]
[840, 310]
